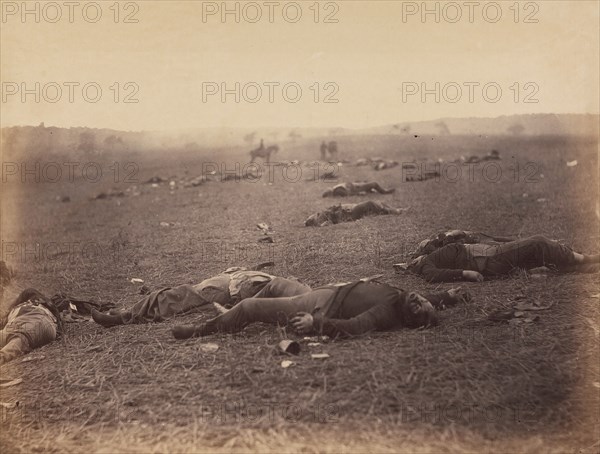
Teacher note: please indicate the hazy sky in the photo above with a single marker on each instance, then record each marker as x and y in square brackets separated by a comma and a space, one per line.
[368, 56]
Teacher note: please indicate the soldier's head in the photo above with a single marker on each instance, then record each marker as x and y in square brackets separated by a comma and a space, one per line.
[317, 219]
[311, 221]
[417, 312]
[454, 236]
[426, 247]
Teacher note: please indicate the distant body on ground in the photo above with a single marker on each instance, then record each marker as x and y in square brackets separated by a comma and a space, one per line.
[348, 212]
[356, 188]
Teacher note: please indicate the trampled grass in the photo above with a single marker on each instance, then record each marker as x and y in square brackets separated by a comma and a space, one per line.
[466, 385]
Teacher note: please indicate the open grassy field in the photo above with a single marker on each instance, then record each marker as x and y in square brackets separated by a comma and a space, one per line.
[467, 385]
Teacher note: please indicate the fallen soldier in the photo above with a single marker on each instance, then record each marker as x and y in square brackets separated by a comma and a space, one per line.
[333, 310]
[32, 321]
[471, 262]
[427, 175]
[226, 289]
[348, 212]
[493, 155]
[413, 171]
[377, 163]
[348, 189]
[441, 239]
[111, 193]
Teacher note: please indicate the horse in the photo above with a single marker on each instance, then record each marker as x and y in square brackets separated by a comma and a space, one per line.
[264, 153]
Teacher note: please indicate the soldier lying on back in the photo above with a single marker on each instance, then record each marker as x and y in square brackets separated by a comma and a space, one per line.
[225, 289]
[334, 310]
[32, 321]
[471, 262]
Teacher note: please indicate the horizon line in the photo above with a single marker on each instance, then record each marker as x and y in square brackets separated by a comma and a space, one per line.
[350, 128]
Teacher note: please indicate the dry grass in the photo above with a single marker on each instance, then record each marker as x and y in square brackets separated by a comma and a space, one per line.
[468, 385]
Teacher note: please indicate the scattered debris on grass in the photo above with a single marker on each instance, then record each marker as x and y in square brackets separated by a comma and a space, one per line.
[572, 163]
[267, 231]
[323, 339]
[288, 346]
[137, 280]
[133, 190]
[287, 363]
[208, 347]
[521, 312]
[266, 228]
[319, 355]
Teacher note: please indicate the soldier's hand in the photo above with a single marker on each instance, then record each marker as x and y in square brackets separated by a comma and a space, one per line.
[459, 295]
[302, 322]
[472, 276]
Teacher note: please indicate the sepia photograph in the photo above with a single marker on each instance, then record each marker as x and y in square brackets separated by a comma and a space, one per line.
[312, 226]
